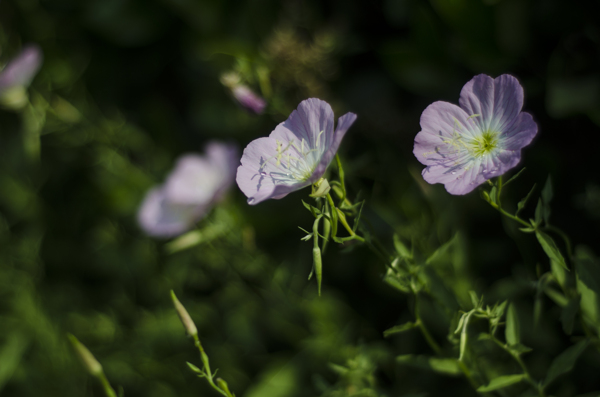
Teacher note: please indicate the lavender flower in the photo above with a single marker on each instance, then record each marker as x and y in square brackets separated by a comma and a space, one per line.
[17, 75]
[464, 146]
[190, 191]
[248, 99]
[295, 155]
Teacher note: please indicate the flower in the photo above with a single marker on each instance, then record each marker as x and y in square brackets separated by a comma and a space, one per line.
[464, 146]
[242, 93]
[190, 191]
[295, 155]
[17, 75]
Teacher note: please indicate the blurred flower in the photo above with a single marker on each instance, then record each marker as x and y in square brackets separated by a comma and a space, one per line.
[295, 155]
[17, 75]
[244, 95]
[467, 145]
[190, 191]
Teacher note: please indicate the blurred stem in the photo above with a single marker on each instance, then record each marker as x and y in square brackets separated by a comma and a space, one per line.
[207, 372]
[518, 359]
[108, 390]
[432, 343]
[341, 174]
[467, 374]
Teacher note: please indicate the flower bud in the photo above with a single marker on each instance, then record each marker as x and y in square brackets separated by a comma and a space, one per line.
[87, 358]
[320, 188]
[318, 265]
[184, 316]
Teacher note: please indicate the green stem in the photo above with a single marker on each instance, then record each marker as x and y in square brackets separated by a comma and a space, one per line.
[208, 373]
[108, 390]
[468, 375]
[517, 358]
[515, 218]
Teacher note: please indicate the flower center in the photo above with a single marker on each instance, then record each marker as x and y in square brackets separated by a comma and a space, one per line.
[483, 144]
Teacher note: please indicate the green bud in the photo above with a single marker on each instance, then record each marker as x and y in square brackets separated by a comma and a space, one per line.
[184, 316]
[223, 386]
[318, 265]
[87, 358]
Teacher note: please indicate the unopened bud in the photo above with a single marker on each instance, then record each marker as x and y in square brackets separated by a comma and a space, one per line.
[318, 265]
[320, 188]
[87, 358]
[223, 386]
[184, 316]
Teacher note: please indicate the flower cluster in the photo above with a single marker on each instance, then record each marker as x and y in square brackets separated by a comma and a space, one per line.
[464, 146]
[17, 75]
[190, 191]
[295, 155]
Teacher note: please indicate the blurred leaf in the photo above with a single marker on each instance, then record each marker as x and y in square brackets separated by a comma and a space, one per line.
[538, 212]
[565, 361]
[501, 382]
[445, 366]
[588, 285]
[513, 326]
[196, 237]
[402, 250]
[567, 316]
[550, 248]
[399, 328]
[11, 354]
[494, 195]
[523, 202]
[276, 381]
[519, 349]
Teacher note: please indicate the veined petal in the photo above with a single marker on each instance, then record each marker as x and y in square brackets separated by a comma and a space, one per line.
[521, 133]
[497, 101]
[343, 124]
[444, 130]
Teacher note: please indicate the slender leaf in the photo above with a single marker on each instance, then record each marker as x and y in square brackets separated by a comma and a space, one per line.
[399, 329]
[539, 212]
[565, 361]
[515, 176]
[547, 193]
[513, 327]
[588, 285]
[550, 248]
[402, 250]
[523, 202]
[501, 382]
[445, 366]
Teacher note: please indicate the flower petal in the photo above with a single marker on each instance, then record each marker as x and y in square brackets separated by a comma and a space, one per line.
[521, 133]
[22, 69]
[497, 101]
[254, 175]
[159, 217]
[344, 123]
[442, 123]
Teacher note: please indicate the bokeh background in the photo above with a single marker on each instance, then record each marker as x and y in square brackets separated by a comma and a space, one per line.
[127, 86]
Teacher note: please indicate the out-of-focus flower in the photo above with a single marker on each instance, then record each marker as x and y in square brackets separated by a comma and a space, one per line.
[464, 146]
[190, 191]
[243, 94]
[17, 75]
[295, 155]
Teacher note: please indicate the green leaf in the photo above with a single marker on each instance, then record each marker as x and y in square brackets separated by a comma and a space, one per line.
[11, 354]
[538, 212]
[550, 248]
[313, 210]
[523, 202]
[567, 316]
[565, 361]
[400, 328]
[513, 327]
[194, 368]
[515, 176]
[445, 366]
[501, 382]
[519, 349]
[588, 285]
[547, 193]
[402, 250]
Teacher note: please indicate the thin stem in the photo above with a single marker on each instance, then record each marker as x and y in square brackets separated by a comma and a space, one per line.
[108, 390]
[515, 218]
[430, 341]
[207, 372]
[468, 375]
[517, 358]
